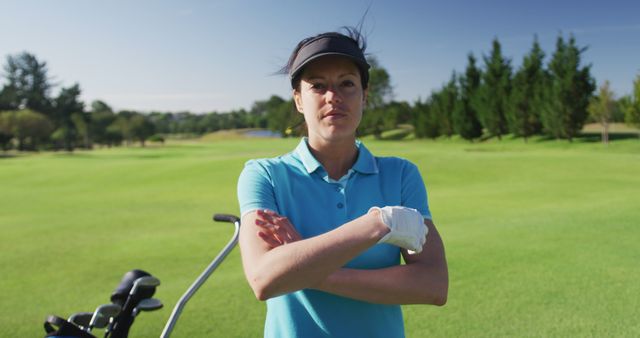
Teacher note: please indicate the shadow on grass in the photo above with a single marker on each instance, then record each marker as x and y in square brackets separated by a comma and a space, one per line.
[396, 135]
[6, 155]
[593, 137]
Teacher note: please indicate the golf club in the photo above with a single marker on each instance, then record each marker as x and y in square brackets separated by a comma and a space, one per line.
[81, 319]
[142, 288]
[102, 315]
[149, 304]
[146, 281]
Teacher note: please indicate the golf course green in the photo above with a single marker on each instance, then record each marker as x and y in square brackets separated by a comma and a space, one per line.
[541, 237]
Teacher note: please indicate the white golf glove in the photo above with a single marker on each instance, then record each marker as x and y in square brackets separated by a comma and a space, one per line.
[406, 225]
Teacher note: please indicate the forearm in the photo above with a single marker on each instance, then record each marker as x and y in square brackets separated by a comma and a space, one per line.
[306, 263]
[424, 279]
[402, 284]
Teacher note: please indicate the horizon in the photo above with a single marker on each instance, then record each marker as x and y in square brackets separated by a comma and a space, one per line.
[206, 57]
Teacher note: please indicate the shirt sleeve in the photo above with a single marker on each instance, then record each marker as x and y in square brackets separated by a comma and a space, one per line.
[255, 188]
[414, 192]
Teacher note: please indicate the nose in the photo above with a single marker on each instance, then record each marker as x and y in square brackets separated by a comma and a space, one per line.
[333, 94]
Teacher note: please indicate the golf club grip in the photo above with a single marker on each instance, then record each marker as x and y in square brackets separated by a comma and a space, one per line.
[226, 218]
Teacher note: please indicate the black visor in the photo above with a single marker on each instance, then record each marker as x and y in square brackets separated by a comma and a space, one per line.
[333, 44]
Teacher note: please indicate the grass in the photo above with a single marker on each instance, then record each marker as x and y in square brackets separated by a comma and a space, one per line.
[541, 237]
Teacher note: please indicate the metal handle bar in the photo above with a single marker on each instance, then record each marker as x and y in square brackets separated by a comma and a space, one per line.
[177, 310]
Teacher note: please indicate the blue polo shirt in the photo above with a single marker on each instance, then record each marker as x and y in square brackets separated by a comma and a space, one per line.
[297, 186]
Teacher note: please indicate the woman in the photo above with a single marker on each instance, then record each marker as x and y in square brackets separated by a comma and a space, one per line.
[324, 227]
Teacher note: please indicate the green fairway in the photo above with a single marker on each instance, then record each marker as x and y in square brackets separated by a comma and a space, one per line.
[541, 238]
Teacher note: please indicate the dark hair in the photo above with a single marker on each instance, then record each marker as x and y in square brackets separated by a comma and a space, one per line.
[351, 34]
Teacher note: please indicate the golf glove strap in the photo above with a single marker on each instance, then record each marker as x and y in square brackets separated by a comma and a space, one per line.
[406, 227]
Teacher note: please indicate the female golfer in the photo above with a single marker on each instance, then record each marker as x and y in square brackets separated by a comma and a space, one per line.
[324, 226]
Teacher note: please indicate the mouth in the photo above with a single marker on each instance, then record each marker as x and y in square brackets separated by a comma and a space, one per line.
[334, 114]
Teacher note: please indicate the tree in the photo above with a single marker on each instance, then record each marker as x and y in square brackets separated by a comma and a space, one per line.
[621, 106]
[28, 127]
[465, 115]
[141, 128]
[276, 114]
[443, 105]
[9, 98]
[65, 106]
[419, 115]
[6, 129]
[527, 95]
[5, 140]
[568, 93]
[601, 109]
[119, 130]
[632, 112]
[493, 102]
[427, 121]
[82, 122]
[99, 106]
[395, 112]
[380, 92]
[102, 117]
[28, 84]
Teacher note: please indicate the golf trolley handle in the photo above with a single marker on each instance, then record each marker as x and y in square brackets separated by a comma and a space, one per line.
[226, 218]
[177, 310]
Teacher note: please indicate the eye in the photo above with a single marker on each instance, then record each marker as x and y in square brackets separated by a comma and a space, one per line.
[348, 83]
[318, 86]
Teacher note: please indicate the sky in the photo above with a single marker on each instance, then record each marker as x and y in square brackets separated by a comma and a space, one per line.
[204, 56]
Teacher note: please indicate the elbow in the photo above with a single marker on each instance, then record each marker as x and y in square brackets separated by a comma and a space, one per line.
[441, 297]
[261, 290]
[261, 295]
[438, 295]
[440, 300]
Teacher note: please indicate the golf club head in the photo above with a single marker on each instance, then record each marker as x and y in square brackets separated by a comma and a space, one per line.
[81, 319]
[144, 282]
[149, 304]
[103, 313]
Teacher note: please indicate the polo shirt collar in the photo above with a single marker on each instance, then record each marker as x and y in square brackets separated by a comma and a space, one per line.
[365, 164]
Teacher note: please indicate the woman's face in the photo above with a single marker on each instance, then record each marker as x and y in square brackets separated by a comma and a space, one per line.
[331, 98]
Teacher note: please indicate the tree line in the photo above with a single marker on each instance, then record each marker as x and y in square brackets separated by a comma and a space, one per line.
[554, 98]
[489, 99]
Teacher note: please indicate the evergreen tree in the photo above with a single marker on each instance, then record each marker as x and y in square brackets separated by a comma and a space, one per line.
[419, 114]
[465, 115]
[568, 92]
[527, 95]
[28, 84]
[432, 119]
[446, 104]
[493, 102]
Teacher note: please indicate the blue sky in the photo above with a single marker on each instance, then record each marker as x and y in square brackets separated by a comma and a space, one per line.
[207, 56]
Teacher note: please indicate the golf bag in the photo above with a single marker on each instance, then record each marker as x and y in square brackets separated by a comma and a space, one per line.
[135, 286]
[122, 296]
[57, 327]
[133, 295]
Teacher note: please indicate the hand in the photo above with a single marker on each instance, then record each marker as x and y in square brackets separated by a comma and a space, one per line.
[406, 227]
[276, 230]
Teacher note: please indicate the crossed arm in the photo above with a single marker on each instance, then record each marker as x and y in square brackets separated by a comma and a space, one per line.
[277, 261]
